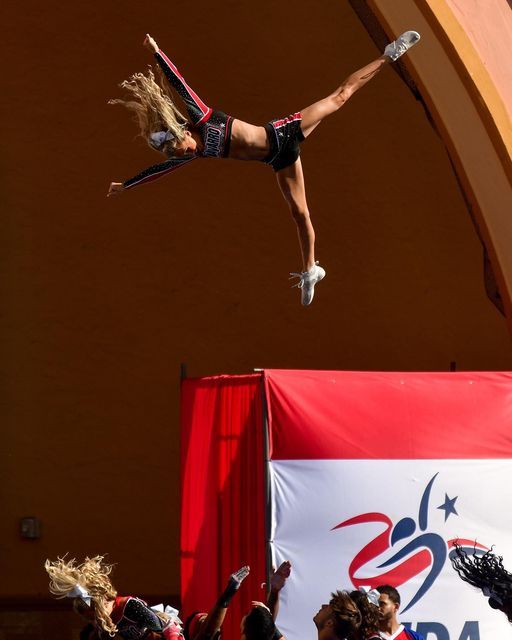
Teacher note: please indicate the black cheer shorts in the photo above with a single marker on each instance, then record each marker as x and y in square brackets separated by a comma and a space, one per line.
[284, 136]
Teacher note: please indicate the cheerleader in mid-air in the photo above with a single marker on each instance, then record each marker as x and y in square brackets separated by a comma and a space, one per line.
[207, 133]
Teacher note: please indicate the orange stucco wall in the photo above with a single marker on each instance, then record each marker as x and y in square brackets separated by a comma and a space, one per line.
[103, 299]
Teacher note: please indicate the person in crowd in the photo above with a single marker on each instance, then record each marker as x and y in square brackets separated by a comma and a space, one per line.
[108, 614]
[338, 620]
[390, 627]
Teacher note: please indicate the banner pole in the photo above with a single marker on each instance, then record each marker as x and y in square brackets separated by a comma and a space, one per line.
[267, 480]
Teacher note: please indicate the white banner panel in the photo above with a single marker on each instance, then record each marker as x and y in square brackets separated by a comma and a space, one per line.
[423, 504]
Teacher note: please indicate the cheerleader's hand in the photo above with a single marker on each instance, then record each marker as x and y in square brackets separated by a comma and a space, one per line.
[150, 43]
[115, 188]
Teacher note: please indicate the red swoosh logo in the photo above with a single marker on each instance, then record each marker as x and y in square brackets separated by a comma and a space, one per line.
[396, 576]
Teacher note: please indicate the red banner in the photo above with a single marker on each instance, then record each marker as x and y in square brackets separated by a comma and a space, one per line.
[222, 501]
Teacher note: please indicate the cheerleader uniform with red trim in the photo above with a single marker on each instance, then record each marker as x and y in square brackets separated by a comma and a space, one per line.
[135, 620]
[284, 134]
[213, 126]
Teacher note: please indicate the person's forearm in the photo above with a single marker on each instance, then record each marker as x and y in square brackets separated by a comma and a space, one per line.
[216, 616]
[157, 171]
[273, 602]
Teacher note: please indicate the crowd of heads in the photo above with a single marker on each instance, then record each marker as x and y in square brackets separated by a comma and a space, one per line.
[358, 615]
[354, 615]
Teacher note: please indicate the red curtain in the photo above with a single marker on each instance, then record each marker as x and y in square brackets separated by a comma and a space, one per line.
[223, 492]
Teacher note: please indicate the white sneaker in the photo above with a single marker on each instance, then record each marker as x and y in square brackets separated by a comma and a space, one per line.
[307, 281]
[402, 44]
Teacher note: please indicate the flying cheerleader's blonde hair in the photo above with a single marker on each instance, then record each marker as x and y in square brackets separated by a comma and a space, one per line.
[154, 109]
[92, 575]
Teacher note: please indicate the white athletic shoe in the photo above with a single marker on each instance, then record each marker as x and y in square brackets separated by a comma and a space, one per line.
[307, 281]
[402, 44]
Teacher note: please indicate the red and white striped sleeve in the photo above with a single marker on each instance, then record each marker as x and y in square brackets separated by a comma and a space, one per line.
[197, 110]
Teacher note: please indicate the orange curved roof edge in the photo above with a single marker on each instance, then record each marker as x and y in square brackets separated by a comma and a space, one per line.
[483, 77]
[454, 79]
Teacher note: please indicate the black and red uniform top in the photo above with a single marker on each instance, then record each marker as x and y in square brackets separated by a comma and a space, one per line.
[213, 126]
[135, 620]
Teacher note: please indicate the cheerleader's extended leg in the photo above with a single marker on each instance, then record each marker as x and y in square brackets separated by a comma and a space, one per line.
[315, 113]
[291, 182]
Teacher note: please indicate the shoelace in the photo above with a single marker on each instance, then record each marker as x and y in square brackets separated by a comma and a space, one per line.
[401, 47]
[300, 283]
[301, 276]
